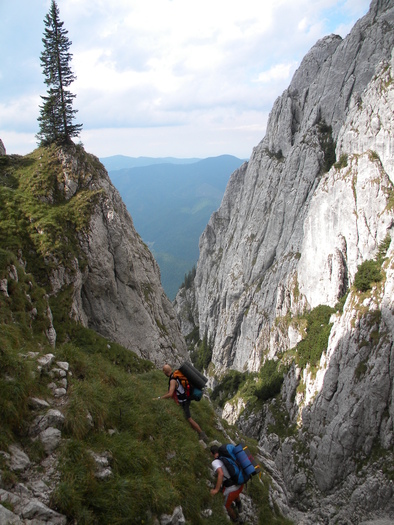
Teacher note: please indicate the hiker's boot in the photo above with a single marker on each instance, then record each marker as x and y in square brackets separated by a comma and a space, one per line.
[203, 437]
[236, 520]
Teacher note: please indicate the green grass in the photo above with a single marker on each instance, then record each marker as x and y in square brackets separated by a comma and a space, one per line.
[35, 216]
[310, 349]
[370, 271]
[156, 458]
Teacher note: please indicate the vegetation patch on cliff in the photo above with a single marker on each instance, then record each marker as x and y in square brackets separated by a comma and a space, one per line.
[261, 386]
[310, 349]
[369, 272]
[327, 144]
[35, 216]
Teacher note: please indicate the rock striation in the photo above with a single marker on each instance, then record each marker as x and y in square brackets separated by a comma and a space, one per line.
[295, 223]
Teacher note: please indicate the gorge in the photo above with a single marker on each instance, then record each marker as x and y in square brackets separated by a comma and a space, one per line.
[293, 294]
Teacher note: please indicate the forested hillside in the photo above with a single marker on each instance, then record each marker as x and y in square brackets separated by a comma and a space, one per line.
[171, 204]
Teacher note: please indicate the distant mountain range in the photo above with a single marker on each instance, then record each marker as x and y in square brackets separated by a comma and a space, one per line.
[119, 162]
[171, 201]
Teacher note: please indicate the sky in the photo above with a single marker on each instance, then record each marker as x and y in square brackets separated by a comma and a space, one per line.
[163, 78]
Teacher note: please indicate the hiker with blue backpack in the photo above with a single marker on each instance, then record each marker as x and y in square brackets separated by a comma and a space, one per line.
[181, 390]
[227, 482]
[235, 466]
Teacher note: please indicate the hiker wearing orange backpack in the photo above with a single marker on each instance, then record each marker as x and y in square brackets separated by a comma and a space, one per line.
[179, 390]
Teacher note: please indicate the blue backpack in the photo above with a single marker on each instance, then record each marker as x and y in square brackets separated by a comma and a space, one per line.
[240, 466]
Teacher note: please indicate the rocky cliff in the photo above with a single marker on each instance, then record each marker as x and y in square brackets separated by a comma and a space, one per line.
[295, 224]
[118, 293]
[70, 256]
[71, 229]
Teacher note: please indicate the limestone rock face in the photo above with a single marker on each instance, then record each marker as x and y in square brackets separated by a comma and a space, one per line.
[354, 406]
[290, 234]
[119, 293]
[250, 251]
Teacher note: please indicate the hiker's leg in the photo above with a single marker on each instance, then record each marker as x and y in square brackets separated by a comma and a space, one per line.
[194, 425]
[227, 505]
[238, 504]
[231, 512]
[231, 496]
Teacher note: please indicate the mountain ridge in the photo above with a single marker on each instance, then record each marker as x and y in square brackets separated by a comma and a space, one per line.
[116, 162]
[282, 252]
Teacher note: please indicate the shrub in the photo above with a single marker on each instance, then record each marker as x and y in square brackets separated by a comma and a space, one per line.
[270, 380]
[318, 328]
[382, 249]
[368, 272]
[342, 162]
[228, 387]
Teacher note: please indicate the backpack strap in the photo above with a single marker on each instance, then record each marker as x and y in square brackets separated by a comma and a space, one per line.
[233, 471]
[183, 389]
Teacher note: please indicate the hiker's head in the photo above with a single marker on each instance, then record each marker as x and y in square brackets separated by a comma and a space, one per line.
[214, 450]
[167, 370]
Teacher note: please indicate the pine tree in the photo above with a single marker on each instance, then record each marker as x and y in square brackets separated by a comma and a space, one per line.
[56, 113]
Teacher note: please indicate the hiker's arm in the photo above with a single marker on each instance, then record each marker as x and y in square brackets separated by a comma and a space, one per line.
[171, 390]
[219, 481]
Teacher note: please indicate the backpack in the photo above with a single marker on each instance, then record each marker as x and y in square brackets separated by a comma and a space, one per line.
[239, 463]
[195, 379]
[183, 388]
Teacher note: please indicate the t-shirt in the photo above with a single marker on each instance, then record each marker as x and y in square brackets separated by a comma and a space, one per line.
[218, 463]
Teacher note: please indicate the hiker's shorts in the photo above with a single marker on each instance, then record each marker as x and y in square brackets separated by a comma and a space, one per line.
[231, 494]
[186, 409]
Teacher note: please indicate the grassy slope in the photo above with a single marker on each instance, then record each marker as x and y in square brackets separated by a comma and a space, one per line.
[157, 461]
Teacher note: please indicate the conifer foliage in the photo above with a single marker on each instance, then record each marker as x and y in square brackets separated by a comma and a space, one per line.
[56, 112]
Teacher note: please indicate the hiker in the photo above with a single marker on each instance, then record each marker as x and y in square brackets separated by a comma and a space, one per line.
[230, 491]
[178, 391]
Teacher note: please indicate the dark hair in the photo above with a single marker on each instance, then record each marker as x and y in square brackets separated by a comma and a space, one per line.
[214, 449]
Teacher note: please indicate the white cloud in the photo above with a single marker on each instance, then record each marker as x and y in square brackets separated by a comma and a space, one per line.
[277, 72]
[173, 74]
[18, 143]
[20, 113]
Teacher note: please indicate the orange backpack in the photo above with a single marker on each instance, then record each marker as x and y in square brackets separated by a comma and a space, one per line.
[183, 389]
